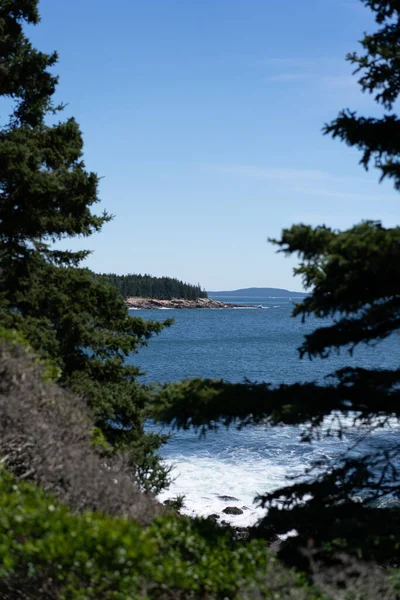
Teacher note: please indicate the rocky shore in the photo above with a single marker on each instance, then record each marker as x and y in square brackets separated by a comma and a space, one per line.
[146, 303]
[241, 532]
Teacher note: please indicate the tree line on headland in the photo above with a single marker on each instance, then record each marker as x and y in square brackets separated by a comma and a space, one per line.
[79, 471]
[159, 288]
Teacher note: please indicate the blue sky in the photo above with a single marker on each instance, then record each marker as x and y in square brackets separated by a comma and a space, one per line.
[203, 118]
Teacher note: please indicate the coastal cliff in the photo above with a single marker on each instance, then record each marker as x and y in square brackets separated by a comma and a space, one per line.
[136, 302]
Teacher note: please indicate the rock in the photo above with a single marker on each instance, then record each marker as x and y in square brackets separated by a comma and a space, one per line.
[228, 498]
[242, 533]
[239, 533]
[147, 303]
[245, 508]
[214, 517]
[232, 510]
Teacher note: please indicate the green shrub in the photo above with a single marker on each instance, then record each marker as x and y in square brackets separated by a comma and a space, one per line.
[49, 552]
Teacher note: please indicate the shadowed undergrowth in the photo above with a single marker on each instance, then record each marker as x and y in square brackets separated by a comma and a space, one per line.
[46, 438]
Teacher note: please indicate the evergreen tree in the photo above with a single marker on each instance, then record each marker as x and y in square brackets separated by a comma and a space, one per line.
[46, 194]
[354, 278]
[161, 288]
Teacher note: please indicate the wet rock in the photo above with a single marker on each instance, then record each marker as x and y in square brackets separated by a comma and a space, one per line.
[245, 508]
[214, 517]
[242, 533]
[139, 302]
[228, 498]
[232, 510]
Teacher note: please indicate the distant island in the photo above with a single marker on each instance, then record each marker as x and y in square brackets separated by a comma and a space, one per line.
[256, 292]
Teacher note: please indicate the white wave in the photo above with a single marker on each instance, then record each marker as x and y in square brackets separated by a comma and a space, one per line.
[203, 479]
[244, 464]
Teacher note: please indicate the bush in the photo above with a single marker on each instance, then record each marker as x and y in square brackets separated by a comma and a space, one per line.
[46, 436]
[47, 552]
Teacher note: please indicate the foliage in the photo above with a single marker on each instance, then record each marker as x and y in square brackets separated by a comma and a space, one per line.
[49, 553]
[79, 325]
[354, 278]
[15, 341]
[45, 550]
[46, 437]
[71, 317]
[176, 503]
[161, 288]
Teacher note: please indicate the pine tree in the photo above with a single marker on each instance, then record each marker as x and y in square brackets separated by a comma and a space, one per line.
[354, 278]
[162, 288]
[46, 194]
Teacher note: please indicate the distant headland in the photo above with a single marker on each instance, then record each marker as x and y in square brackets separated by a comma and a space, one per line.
[258, 292]
[149, 292]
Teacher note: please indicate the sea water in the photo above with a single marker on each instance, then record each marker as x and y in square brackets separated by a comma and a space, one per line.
[259, 344]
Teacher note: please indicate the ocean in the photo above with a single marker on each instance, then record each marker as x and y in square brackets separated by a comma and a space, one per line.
[259, 344]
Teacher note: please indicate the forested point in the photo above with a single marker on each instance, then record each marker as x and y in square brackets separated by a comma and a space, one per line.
[160, 288]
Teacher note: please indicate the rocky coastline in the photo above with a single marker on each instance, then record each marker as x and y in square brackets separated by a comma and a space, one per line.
[241, 532]
[151, 303]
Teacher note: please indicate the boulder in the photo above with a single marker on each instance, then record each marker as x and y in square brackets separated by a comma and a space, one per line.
[232, 510]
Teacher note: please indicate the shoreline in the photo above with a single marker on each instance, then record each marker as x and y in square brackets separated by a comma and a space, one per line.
[152, 303]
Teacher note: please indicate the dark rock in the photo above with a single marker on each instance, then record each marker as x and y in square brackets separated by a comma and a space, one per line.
[214, 516]
[232, 510]
[245, 508]
[228, 498]
[242, 533]
[239, 533]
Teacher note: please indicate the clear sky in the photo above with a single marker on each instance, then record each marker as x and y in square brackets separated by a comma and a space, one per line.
[203, 118]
